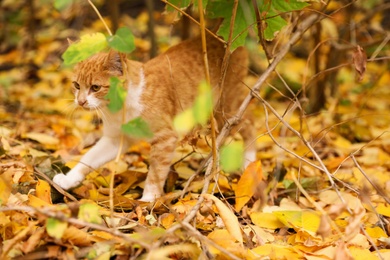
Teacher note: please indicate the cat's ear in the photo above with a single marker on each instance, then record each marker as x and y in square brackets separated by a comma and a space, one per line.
[113, 62]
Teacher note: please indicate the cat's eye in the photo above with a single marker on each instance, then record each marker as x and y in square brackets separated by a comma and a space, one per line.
[76, 85]
[95, 88]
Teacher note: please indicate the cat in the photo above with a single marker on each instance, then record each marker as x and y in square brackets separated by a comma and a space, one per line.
[156, 91]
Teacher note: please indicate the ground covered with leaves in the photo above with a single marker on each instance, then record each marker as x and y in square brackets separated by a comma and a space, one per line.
[319, 190]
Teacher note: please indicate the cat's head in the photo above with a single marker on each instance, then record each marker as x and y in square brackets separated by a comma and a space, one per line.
[91, 78]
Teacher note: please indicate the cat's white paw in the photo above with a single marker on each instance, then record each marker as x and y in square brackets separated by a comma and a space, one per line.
[148, 197]
[151, 192]
[249, 157]
[66, 182]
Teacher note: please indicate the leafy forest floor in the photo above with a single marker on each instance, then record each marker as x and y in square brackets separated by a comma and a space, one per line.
[281, 207]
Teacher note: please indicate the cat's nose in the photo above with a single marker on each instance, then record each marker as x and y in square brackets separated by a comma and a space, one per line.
[82, 102]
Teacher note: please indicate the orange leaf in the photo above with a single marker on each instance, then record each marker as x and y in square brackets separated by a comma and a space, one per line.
[248, 183]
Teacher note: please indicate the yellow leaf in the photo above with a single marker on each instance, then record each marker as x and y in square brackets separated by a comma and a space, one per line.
[45, 139]
[43, 191]
[5, 187]
[305, 220]
[184, 121]
[36, 202]
[266, 220]
[361, 254]
[248, 184]
[376, 232]
[383, 210]
[89, 212]
[229, 219]
[274, 251]
[167, 219]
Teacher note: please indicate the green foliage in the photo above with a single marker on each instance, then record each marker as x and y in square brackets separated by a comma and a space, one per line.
[272, 9]
[231, 156]
[203, 105]
[87, 46]
[116, 95]
[199, 113]
[137, 128]
[122, 41]
[245, 16]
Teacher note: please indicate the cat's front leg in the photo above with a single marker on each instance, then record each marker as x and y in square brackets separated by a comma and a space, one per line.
[104, 151]
[162, 151]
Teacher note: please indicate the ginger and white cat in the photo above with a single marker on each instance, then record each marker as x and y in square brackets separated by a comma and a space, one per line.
[157, 91]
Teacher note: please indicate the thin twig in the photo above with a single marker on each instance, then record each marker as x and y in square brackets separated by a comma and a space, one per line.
[100, 17]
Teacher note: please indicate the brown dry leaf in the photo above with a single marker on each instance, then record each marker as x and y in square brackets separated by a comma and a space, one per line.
[34, 240]
[229, 219]
[9, 244]
[247, 185]
[76, 236]
[360, 61]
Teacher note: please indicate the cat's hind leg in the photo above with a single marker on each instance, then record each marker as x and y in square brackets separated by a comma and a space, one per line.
[163, 147]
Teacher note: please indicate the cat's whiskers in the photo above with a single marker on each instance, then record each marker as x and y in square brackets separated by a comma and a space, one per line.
[69, 109]
[100, 113]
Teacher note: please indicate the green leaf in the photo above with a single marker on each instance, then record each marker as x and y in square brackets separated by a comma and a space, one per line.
[55, 228]
[199, 113]
[137, 128]
[244, 18]
[87, 46]
[182, 4]
[274, 26]
[61, 5]
[116, 95]
[122, 41]
[184, 121]
[288, 6]
[89, 212]
[231, 157]
[272, 9]
[203, 105]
